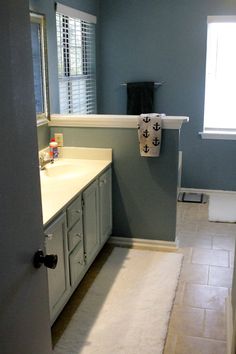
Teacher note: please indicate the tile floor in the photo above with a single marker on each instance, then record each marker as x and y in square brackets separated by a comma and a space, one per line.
[197, 323]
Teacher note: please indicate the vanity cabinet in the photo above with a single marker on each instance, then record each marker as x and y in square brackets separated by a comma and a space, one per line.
[75, 241]
[105, 207]
[77, 264]
[58, 278]
[77, 236]
[91, 221]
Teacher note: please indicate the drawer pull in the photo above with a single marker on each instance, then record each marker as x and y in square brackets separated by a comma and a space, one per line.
[49, 236]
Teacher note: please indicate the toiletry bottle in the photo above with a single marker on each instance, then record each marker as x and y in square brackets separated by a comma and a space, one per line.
[53, 149]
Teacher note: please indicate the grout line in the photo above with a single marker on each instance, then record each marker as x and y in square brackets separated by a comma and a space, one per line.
[208, 339]
[204, 323]
[212, 241]
[208, 275]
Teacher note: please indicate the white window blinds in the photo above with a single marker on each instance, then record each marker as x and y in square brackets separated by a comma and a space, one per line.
[76, 61]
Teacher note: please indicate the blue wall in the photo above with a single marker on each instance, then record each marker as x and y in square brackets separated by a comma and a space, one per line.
[144, 189]
[43, 133]
[166, 40]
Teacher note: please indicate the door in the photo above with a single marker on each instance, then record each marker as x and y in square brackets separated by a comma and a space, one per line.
[24, 308]
[91, 221]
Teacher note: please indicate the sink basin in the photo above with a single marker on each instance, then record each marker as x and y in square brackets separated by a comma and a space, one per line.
[64, 170]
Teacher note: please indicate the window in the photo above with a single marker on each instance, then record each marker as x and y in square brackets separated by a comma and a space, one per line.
[220, 86]
[76, 60]
[39, 66]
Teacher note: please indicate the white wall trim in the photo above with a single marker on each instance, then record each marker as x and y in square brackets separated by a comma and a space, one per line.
[219, 135]
[74, 13]
[42, 121]
[229, 326]
[220, 19]
[110, 121]
[158, 245]
[206, 191]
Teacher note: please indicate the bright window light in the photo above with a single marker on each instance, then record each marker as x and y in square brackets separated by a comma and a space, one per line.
[76, 60]
[220, 87]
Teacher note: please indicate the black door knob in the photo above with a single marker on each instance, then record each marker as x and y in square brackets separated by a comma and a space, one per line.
[50, 260]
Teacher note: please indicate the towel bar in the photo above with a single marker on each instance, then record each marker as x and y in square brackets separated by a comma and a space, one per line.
[155, 83]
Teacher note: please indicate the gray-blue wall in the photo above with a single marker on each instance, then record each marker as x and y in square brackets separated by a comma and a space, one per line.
[144, 189]
[166, 40]
[43, 133]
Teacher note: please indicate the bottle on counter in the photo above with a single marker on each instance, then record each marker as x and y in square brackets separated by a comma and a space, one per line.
[53, 149]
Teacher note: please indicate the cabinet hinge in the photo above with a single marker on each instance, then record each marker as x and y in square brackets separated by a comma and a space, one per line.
[82, 202]
[85, 257]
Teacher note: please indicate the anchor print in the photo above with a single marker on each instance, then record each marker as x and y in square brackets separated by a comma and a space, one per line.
[146, 133]
[156, 126]
[146, 119]
[146, 148]
[156, 142]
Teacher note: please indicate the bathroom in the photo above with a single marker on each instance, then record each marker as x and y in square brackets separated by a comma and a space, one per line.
[167, 51]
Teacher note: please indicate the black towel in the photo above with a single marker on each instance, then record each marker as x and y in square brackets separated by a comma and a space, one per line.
[140, 97]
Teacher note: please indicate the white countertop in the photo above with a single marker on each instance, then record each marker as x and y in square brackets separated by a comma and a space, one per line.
[68, 176]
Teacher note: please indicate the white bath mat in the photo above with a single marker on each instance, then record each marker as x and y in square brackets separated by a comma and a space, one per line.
[127, 308]
[222, 207]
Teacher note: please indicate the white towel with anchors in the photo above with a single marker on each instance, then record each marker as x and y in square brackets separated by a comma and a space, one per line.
[149, 134]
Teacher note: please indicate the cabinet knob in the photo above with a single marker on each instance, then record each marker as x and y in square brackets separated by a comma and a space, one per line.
[50, 260]
[49, 236]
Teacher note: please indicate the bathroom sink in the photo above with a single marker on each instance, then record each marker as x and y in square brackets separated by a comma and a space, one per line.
[64, 170]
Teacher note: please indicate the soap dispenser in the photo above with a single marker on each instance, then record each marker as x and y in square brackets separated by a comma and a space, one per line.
[53, 149]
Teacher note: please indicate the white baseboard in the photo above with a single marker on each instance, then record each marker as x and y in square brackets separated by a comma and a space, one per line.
[158, 245]
[229, 326]
[206, 191]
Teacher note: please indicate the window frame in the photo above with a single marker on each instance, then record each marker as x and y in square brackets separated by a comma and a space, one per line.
[216, 132]
[35, 17]
[83, 17]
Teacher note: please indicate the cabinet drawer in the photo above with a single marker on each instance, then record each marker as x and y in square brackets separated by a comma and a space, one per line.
[75, 235]
[76, 264]
[74, 212]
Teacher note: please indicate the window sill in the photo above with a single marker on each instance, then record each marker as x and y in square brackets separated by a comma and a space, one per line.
[221, 135]
[42, 121]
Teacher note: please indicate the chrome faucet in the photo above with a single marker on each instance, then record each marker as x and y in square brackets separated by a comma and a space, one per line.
[44, 159]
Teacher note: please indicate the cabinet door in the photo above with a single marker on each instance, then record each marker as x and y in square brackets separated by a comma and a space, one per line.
[105, 197]
[91, 221]
[58, 278]
[76, 265]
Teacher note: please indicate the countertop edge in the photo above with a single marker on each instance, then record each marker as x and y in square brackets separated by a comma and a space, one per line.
[110, 121]
[80, 190]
